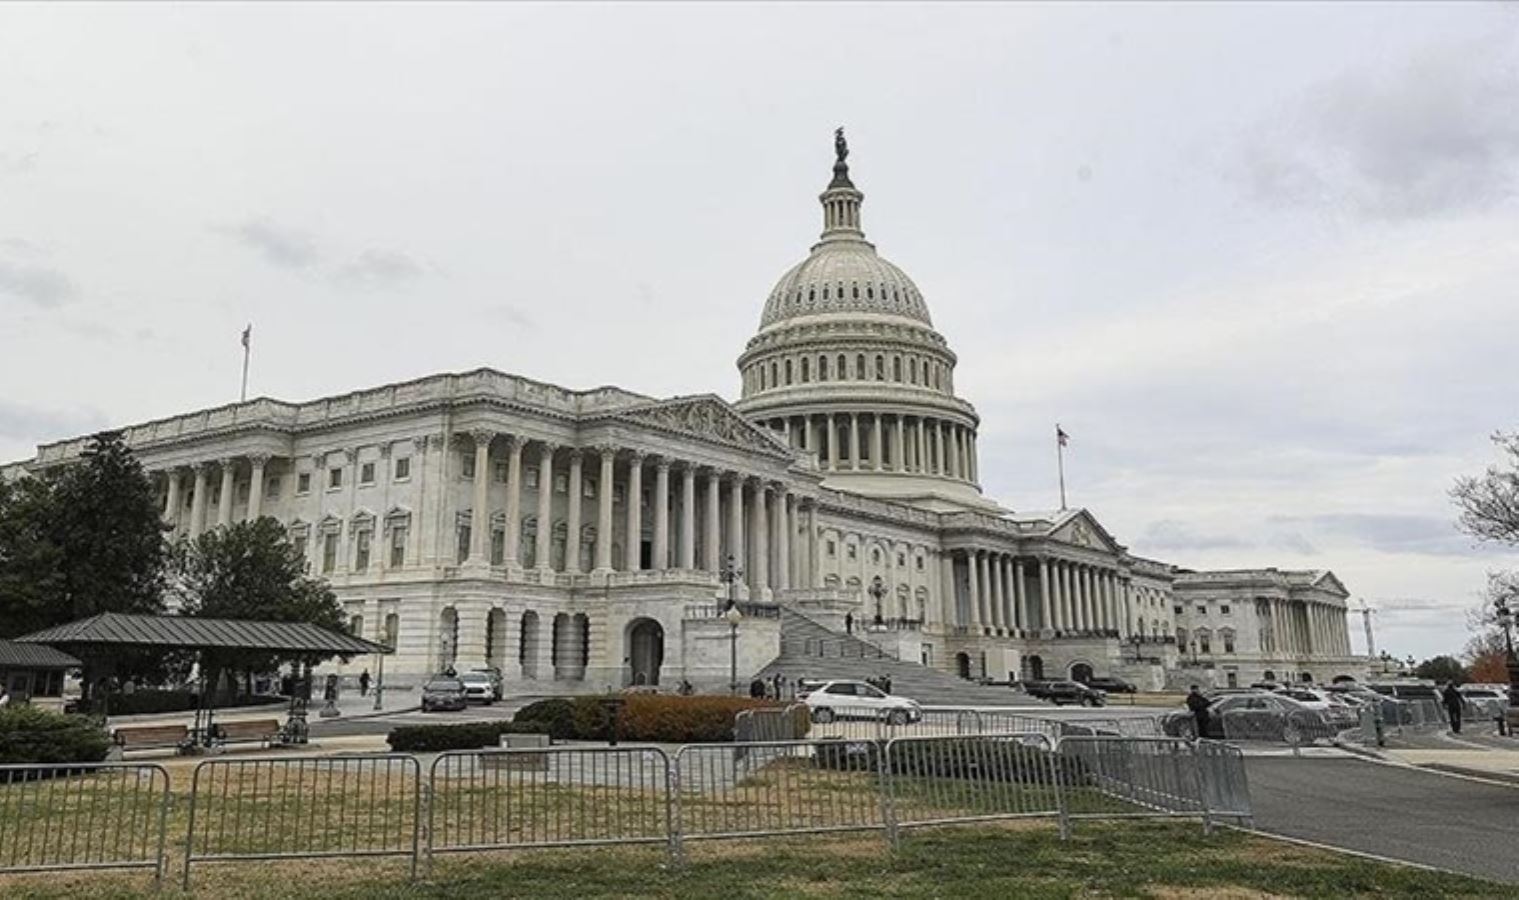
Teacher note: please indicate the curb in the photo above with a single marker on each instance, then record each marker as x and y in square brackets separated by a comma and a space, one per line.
[1345, 851]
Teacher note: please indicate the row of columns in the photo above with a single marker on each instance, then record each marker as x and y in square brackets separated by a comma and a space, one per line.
[200, 475]
[763, 529]
[1068, 597]
[1307, 629]
[884, 442]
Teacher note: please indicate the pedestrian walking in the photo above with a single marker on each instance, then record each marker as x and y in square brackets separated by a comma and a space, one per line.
[1198, 704]
[1452, 698]
[364, 683]
[886, 683]
[849, 623]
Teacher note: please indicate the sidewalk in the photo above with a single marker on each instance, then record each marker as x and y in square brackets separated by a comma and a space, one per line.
[350, 706]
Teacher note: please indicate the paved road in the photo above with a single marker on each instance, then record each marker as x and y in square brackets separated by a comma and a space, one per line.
[1402, 813]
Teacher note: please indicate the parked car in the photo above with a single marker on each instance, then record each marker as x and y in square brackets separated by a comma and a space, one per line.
[443, 694]
[1334, 710]
[856, 699]
[494, 675]
[1063, 693]
[1268, 712]
[478, 688]
[1110, 684]
[1482, 702]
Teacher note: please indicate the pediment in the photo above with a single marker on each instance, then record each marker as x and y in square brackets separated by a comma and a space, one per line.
[1328, 582]
[707, 418]
[1082, 530]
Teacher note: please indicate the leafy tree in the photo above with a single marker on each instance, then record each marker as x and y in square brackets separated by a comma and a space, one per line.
[31, 564]
[1490, 502]
[1442, 668]
[250, 571]
[107, 525]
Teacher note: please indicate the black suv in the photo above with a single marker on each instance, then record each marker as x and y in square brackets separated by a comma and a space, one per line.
[1062, 693]
[1110, 684]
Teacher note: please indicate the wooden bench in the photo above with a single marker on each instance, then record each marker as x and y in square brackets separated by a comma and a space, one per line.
[149, 737]
[260, 731]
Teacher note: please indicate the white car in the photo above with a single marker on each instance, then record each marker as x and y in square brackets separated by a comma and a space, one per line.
[1479, 701]
[478, 687]
[1334, 710]
[858, 700]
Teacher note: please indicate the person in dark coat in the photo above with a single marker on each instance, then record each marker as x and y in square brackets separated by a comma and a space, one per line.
[757, 689]
[1452, 699]
[364, 683]
[1198, 704]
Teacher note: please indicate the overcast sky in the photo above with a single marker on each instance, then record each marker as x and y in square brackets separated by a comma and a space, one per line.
[1260, 261]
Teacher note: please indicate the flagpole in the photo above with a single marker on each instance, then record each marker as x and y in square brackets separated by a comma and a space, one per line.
[247, 350]
[1059, 461]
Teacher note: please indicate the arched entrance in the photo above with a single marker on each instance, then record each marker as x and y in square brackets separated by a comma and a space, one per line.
[1034, 665]
[527, 645]
[1081, 672]
[646, 651]
[1307, 677]
[1268, 675]
[962, 665]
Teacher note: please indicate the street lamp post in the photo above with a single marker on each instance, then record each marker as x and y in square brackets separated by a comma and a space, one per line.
[877, 591]
[1505, 617]
[731, 575]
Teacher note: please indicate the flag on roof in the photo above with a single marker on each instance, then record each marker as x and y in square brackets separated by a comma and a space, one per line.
[1061, 436]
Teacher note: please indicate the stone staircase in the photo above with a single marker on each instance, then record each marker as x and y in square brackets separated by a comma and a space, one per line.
[810, 650]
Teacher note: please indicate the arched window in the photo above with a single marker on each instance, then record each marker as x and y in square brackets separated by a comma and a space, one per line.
[859, 367]
[880, 367]
[788, 372]
[806, 369]
[843, 367]
[822, 368]
[856, 292]
[912, 370]
[762, 377]
[775, 371]
[896, 363]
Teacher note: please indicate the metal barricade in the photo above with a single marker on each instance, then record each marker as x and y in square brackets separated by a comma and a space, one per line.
[304, 807]
[550, 797]
[856, 723]
[942, 780]
[83, 816]
[1226, 789]
[777, 787]
[1128, 778]
[1254, 725]
[789, 723]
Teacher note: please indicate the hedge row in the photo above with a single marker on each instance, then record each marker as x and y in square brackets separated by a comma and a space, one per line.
[32, 735]
[145, 701]
[645, 718]
[979, 759]
[466, 736]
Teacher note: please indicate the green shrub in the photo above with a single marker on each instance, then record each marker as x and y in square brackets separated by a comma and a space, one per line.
[32, 735]
[650, 718]
[465, 736]
[557, 716]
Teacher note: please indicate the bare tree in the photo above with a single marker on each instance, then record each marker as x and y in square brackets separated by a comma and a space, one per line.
[1490, 502]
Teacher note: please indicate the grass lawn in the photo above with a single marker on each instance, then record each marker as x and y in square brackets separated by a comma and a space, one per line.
[1161, 860]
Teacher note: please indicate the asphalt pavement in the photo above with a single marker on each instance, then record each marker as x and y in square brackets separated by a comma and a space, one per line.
[1393, 811]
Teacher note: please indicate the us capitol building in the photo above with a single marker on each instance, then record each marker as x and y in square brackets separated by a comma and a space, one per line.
[586, 539]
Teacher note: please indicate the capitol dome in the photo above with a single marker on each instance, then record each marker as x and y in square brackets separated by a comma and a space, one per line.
[847, 366]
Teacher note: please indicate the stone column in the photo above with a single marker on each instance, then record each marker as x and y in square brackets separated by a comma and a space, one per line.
[921, 438]
[761, 579]
[661, 515]
[712, 554]
[604, 511]
[632, 542]
[513, 500]
[171, 500]
[854, 441]
[198, 500]
[1067, 607]
[1046, 615]
[833, 446]
[479, 523]
[939, 468]
[972, 466]
[948, 609]
[543, 549]
[785, 531]
[1021, 612]
[899, 445]
[258, 462]
[572, 514]
[814, 546]
[736, 548]
[224, 501]
[998, 590]
[687, 551]
[974, 584]
[876, 444]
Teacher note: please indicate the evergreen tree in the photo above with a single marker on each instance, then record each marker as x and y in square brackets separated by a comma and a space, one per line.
[31, 565]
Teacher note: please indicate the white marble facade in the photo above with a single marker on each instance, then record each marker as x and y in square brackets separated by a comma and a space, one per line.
[575, 539]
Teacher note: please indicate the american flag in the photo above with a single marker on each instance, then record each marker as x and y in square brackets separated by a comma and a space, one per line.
[1061, 437]
[247, 336]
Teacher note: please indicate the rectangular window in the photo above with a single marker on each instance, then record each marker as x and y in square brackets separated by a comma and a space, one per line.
[531, 477]
[334, 478]
[501, 472]
[1228, 643]
[1223, 610]
[619, 491]
[853, 551]
[561, 484]
[463, 548]
[1176, 609]
[398, 546]
[329, 552]
[498, 547]
[298, 543]
[588, 487]
[403, 468]
[366, 473]
[1203, 646]
[467, 465]
[1202, 609]
[833, 549]
[920, 564]
[242, 490]
[303, 483]
[272, 488]
[361, 552]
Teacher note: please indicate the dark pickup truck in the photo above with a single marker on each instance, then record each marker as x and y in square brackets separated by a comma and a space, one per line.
[1065, 693]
